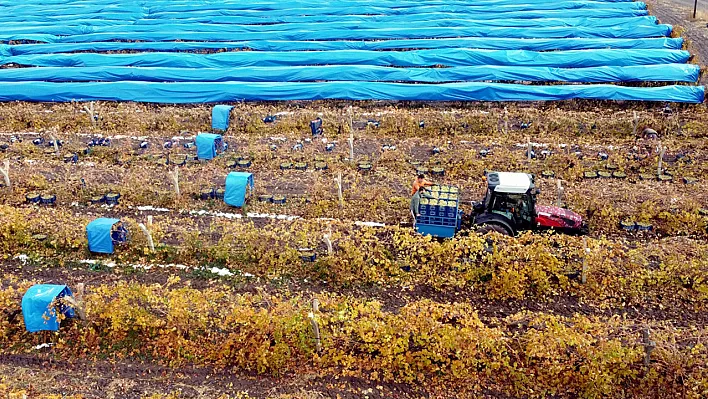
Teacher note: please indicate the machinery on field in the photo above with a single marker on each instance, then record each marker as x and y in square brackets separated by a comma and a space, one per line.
[509, 207]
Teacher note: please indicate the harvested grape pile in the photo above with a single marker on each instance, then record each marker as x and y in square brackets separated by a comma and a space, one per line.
[223, 304]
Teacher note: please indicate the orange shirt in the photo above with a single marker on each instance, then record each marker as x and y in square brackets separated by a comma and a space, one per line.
[417, 185]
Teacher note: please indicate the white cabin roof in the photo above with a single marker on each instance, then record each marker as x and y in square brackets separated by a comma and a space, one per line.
[514, 183]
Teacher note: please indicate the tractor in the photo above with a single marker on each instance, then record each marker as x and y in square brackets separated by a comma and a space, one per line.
[509, 207]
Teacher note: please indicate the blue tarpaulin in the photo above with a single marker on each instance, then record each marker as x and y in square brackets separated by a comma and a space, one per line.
[429, 50]
[99, 235]
[612, 32]
[415, 58]
[208, 145]
[309, 22]
[236, 185]
[226, 16]
[190, 93]
[67, 30]
[39, 308]
[220, 116]
[267, 45]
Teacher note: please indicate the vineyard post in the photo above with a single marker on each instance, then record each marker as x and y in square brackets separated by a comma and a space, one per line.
[175, 179]
[649, 346]
[148, 236]
[586, 250]
[91, 111]
[506, 121]
[315, 326]
[351, 147]
[560, 191]
[338, 180]
[662, 149]
[149, 221]
[530, 148]
[5, 170]
[635, 123]
[328, 240]
[56, 144]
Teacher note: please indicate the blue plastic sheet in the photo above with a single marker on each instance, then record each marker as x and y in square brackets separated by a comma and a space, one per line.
[73, 29]
[154, 6]
[416, 58]
[98, 233]
[471, 42]
[303, 8]
[37, 309]
[323, 21]
[223, 16]
[349, 49]
[220, 114]
[644, 73]
[187, 93]
[614, 32]
[236, 185]
[206, 145]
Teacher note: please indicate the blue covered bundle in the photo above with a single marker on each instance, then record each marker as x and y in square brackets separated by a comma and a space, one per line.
[101, 235]
[220, 116]
[40, 308]
[237, 184]
[208, 145]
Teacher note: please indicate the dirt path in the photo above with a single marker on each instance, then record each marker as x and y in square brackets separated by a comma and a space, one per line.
[679, 13]
[40, 373]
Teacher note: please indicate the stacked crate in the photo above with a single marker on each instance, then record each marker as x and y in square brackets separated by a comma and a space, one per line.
[439, 214]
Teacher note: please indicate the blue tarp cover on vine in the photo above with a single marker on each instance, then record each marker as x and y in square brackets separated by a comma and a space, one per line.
[37, 309]
[207, 144]
[236, 185]
[220, 115]
[99, 235]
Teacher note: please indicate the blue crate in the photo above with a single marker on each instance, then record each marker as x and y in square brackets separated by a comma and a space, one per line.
[423, 210]
[449, 222]
[436, 231]
[423, 219]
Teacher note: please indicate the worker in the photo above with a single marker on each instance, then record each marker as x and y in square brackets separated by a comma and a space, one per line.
[420, 182]
[417, 192]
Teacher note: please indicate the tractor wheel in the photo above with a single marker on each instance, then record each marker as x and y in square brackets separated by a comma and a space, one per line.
[492, 228]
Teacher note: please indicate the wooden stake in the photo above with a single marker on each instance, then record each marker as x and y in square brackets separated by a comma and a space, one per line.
[649, 346]
[584, 274]
[149, 221]
[338, 180]
[5, 170]
[91, 111]
[530, 148]
[506, 121]
[148, 236]
[635, 123]
[315, 326]
[56, 144]
[662, 149]
[328, 240]
[175, 178]
[559, 199]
